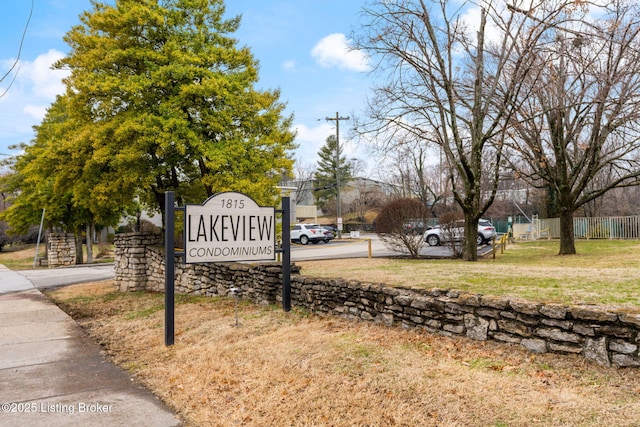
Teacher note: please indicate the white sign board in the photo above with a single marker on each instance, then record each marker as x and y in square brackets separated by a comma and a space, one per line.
[229, 227]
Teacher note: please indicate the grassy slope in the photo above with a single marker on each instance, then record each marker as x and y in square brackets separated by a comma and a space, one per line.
[279, 368]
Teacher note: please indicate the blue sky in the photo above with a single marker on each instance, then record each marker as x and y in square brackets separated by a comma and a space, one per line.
[300, 44]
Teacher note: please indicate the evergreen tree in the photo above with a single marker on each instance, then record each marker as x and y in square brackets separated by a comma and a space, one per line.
[325, 175]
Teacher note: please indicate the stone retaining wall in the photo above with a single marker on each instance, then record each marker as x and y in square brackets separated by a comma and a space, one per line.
[61, 249]
[606, 336]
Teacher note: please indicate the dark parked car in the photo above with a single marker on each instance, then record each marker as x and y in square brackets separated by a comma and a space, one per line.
[414, 227]
[330, 228]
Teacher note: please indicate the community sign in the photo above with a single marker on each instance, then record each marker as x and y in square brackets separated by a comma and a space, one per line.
[229, 227]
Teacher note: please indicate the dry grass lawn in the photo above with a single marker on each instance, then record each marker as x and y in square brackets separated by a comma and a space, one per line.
[20, 257]
[295, 369]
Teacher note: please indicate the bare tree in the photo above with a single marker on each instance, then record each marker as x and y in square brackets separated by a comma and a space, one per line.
[393, 169]
[303, 179]
[424, 179]
[452, 83]
[410, 166]
[621, 201]
[578, 130]
[359, 204]
[358, 167]
[397, 223]
[367, 195]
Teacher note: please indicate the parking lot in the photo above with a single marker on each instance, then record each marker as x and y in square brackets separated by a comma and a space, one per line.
[360, 247]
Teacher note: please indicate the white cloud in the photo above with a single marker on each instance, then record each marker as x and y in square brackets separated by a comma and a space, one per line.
[311, 139]
[334, 51]
[34, 81]
[29, 95]
[290, 65]
[35, 111]
[38, 75]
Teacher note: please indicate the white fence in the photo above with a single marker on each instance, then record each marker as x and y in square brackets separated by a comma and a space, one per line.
[622, 227]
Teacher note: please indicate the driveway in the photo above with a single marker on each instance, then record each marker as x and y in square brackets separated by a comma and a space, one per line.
[359, 248]
[50, 278]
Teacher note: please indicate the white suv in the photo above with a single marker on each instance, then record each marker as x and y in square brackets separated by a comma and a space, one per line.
[305, 233]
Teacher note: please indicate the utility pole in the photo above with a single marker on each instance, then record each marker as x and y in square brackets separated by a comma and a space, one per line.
[337, 119]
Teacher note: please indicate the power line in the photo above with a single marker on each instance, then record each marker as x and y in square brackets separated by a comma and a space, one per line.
[17, 61]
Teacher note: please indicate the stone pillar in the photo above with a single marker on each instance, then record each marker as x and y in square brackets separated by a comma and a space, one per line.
[131, 262]
[61, 249]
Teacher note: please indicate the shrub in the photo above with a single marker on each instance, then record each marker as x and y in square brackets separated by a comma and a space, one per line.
[400, 225]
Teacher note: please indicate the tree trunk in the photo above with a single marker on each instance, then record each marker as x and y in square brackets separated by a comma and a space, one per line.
[567, 238]
[89, 233]
[470, 249]
[79, 255]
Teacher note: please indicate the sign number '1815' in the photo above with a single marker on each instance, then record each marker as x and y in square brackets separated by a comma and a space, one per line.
[232, 203]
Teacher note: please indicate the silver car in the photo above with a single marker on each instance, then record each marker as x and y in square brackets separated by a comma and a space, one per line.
[435, 235]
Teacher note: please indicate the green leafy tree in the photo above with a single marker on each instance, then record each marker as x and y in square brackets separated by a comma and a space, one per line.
[164, 100]
[159, 98]
[43, 177]
[5, 239]
[328, 166]
[34, 186]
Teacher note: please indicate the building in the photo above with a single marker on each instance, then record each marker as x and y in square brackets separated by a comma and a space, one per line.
[357, 195]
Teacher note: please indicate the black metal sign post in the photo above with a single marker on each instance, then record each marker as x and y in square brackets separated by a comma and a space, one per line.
[286, 253]
[169, 265]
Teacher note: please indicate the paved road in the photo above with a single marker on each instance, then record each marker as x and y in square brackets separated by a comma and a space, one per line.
[50, 278]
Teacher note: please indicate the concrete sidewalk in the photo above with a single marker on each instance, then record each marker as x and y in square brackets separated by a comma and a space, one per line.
[53, 374]
[10, 281]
